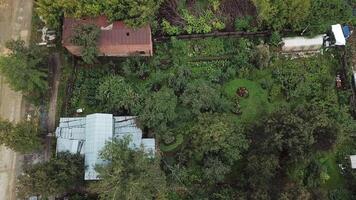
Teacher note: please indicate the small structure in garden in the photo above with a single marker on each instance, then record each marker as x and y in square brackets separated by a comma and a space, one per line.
[242, 92]
[88, 135]
[116, 39]
[338, 82]
[353, 161]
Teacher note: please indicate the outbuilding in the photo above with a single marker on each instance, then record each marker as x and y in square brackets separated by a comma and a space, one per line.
[116, 39]
[88, 136]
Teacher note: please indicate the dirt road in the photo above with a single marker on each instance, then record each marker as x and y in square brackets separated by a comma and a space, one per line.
[15, 22]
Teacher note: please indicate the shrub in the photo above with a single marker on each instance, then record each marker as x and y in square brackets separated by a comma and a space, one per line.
[169, 28]
[171, 147]
[242, 24]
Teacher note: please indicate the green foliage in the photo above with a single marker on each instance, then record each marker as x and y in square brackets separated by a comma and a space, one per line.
[169, 28]
[325, 13]
[243, 24]
[158, 109]
[316, 15]
[86, 88]
[275, 38]
[23, 137]
[280, 14]
[86, 36]
[205, 23]
[129, 174]
[25, 69]
[253, 106]
[262, 55]
[135, 13]
[216, 135]
[51, 11]
[59, 175]
[178, 140]
[201, 96]
[114, 93]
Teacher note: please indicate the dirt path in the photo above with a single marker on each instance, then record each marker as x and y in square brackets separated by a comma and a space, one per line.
[55, 71]
[15, 22]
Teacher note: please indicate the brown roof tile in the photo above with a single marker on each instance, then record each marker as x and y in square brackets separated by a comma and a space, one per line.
[119, 41]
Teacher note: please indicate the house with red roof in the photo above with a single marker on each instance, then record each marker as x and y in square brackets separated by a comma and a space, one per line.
[116, 39]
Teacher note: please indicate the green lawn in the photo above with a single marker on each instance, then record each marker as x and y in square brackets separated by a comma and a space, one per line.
[336, 179]
[252, 106]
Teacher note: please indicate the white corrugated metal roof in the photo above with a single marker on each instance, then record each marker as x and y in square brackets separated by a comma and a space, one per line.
[149, 145]
[338, 34]
[353, 161]
[88, 135]
[291, 44]
[73, 146]
[98, 130]
[125, 126]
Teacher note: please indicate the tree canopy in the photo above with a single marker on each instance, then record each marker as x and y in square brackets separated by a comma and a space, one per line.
[129, 173]
[116, 94]
[58, 176]
[25, 69]
[23, 137]
[135, 13]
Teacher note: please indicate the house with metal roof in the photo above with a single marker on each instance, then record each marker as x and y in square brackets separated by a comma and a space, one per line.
[116, 39]
[88, 135]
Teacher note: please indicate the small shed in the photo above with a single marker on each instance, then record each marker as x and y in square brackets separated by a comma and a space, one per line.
[116, 39]
[353, 161]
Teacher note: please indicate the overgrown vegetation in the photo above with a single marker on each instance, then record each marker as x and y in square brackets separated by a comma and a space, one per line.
[135, 13]
[232, 117]
[23, 137]
[289, 122]
[58, 176]
[86, 36]
[25, 69]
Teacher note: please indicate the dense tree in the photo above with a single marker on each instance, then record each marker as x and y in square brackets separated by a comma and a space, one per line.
[58, 176]
[86, 36]
[202, 96]
[316, 16]
[129, 174]
[135, 13]
[116, 94]
[158, 109]
[22, 137]
[216, 134]
[25, 69]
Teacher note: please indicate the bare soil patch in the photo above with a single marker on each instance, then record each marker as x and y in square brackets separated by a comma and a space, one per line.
[232, 9]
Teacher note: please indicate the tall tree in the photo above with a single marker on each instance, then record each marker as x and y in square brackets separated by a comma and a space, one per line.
[59, 175]
[22, 137]
[202, 96]
[158, 109]
[129, 173]
[86, 36]
[216, 134]
[25, 69]
[135, 13]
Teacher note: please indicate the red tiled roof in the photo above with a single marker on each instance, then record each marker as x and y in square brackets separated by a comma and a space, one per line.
[118, 41]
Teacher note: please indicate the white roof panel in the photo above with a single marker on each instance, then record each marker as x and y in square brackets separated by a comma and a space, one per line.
[338, 34]
[98, 130]
[72, 146]
[89, 136]
[149, 145]
[353, 161]
[291, 44]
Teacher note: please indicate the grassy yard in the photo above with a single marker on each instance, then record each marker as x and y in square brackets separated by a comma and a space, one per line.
[252, 106]
[336, 179]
